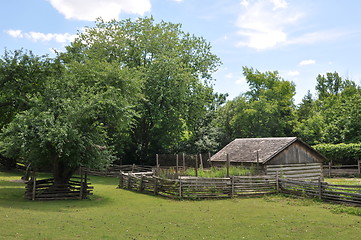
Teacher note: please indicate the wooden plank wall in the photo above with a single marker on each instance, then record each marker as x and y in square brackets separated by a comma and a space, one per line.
[305, 171]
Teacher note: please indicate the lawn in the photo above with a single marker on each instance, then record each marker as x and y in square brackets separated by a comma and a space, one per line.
[120, 214]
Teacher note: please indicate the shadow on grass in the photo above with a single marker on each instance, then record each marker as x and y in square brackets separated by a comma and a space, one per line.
[12, 195]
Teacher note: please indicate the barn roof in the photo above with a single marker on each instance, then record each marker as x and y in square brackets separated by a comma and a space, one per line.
[245, 149]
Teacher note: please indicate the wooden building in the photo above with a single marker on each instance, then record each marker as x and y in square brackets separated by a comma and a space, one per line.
[289, 156]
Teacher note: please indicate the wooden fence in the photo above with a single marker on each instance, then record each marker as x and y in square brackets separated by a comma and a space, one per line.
[113, 170]
[203, 188]
[328, 192]
[194, 188]
[44, 189]
[331, 170]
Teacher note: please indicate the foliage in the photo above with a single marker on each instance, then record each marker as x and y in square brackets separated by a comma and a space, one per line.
[175, 66]
[266, 110]
[68, 123]
[333, 117]
[220, 172]
[340, 153]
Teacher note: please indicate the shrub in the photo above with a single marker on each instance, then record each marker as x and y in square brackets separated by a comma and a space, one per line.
[340, 153]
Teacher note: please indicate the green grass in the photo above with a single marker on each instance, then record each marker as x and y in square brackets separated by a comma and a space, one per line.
[219, 172]
[120, 214]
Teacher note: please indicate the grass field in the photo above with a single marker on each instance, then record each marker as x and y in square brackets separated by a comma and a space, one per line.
[120, 214]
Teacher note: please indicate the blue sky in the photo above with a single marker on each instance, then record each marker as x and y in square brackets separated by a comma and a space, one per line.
[298, 38]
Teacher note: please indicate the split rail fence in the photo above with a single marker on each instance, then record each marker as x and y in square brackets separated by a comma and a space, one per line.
[113, 170]
[44, 189]
[237, 186]
[194, 188]
[331, 170]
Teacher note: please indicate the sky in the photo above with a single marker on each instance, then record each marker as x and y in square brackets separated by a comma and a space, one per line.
[298, 38]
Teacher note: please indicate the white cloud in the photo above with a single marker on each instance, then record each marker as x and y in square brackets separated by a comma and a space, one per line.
[44, 37]
[15, 33]
[321, 36]
[229, 75]
[89, 10]
[307, 62]
[293, 73]
[240, 81]
[262, 23]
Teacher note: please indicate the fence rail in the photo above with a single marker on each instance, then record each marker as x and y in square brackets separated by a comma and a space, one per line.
[331, 170]
[113, 170]
[45, 189]
[323, 190]
[202, 188]
[191, 187]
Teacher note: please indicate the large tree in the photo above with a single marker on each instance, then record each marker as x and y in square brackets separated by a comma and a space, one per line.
[333, 117]
[176, 68]
[67, 124]
[266, 110]
[22, 76]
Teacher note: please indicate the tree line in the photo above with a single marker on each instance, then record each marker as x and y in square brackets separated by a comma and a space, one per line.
[130, 89]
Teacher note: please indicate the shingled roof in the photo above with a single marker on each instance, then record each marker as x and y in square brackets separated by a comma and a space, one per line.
[245, 149]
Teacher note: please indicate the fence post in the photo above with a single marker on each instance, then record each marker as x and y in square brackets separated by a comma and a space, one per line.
[141, 185]
[277, 183]
[227, 165]
[329, 168]
[196, 166]
[34, 186]
[180, 187]
[257, 166]
[157, 163]
[129, 181]
[359, 166]
[232, 186]
[121, 179]
[319, 188]
[81, 184]
[156, 186]
[184, 163]
[177, 165]
[209, 159]
[200, 161]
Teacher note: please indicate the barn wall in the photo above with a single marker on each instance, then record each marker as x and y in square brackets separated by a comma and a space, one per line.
[295, 153]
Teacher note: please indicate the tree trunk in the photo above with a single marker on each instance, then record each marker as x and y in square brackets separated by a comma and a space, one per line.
[61, 172]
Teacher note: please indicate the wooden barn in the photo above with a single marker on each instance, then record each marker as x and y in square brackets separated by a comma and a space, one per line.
[289, 156]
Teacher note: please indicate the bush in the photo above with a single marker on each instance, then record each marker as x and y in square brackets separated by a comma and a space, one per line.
[340, 153]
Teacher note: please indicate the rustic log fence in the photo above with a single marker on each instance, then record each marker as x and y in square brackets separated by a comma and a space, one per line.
[331, 170]
[325, 191]
[45, 189]
[113, 170]
[194, 188]
[238, 186]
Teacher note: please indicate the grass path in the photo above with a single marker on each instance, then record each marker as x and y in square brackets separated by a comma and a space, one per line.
[120, 214]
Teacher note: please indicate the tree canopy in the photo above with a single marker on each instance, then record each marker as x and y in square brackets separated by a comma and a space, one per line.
[176, 70]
